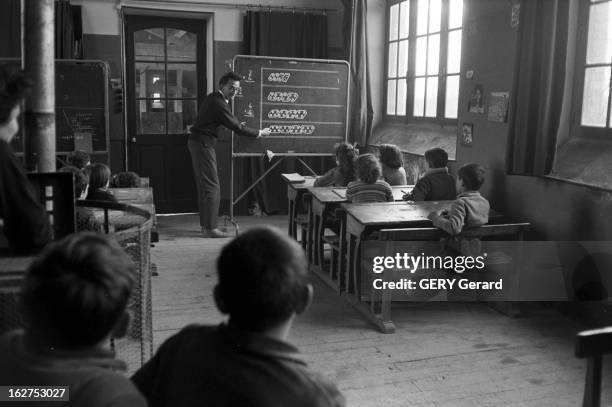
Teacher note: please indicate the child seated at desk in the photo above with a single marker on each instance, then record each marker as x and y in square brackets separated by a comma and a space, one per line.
[470, 209]
[74, 298]
[99, 179]
[343, 172]
[85, 218]
[392, 164]
[437, 184]
[369, 188]
[125, 179]
[262, 285]
[78, 159]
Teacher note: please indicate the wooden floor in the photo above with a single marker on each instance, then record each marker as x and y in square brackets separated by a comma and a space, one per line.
[441, 355]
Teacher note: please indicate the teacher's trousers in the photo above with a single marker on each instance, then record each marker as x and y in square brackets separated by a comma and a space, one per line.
[204, 160]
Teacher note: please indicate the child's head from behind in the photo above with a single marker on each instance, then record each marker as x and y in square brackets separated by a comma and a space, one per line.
[436, 158]
[79, 159]
[75, 294]
[126, 179]
[368, 168]
[470, 177]
[81, 181]
[390, 156]
[262, 279]
[346, 155]
[99, 176]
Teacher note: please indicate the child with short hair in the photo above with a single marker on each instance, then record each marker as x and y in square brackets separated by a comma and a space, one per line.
[369, 188]
[79, 159]
[344, 171]
[125, 179]
[263, 285]
[437, 184]
[74, 298]
[470, 209]
[85, 218]
[99, 179]
[392, 164]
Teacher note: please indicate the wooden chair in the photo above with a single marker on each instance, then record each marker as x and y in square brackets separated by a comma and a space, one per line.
[593, 345]
[55, 191]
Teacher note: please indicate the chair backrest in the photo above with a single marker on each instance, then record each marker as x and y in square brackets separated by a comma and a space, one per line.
[592, 345]
[484, 231]
[55, 191]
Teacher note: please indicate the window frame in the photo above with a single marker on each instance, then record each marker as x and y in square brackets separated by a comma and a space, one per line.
[576, 128]
[410, 76]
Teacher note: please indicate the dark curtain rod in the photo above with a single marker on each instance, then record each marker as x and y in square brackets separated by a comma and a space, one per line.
[260, 7]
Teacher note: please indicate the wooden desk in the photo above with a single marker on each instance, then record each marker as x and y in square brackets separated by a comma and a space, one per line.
[325, 200]
[295, 191]
[12, 272]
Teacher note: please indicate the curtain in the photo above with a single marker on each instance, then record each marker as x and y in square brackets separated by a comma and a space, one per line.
[68, 31]
[538, 93]
[355, 33]
[292, 35]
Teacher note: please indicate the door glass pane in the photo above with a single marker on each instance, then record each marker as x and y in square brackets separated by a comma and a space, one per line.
[401, 97]
[391, 97]
[421, 56]
[595, 98]
[454, 51]
[455, 14]
[419, 97]
[182, 81]
[150, 80]
[435, 14]
[404, 19]
[393, 59]
[599, 44]
[422, 10]
[150, 116]
[149, 44]
[452, 97]
[403, 58]
[181, 113]
[433, 54]
[431, 107]
[393, 16]
[181, 45]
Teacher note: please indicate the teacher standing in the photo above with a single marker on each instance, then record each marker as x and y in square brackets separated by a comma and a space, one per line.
[214, 113]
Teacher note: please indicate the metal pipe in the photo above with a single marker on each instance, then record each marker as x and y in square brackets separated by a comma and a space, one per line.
[262, 7]
[40, 68]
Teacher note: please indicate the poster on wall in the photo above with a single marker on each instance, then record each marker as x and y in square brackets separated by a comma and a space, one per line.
[498, 107]
[476, 104]
[467, 134]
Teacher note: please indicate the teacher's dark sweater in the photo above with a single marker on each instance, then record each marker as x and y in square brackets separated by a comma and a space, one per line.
[214, 113]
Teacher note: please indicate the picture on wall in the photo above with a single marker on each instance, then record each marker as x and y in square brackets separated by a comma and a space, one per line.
[467, 134]
[476, 104]
[498, 106]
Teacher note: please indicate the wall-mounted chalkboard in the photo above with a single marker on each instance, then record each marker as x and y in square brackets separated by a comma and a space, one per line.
[303, 101]
[81, 106]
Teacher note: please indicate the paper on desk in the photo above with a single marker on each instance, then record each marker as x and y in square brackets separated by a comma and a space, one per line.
[270, 155]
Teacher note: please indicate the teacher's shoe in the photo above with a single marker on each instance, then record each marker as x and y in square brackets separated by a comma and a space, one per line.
[213, 233]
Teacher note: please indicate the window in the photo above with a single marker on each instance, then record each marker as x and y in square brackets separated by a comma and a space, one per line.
[593, 69]
[423, 59]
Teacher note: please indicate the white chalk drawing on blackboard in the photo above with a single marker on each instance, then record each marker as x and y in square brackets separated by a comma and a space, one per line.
[248, 77]
[279, 77]
[292, 129]
[298, 114]
[284, 97]
[248, 112]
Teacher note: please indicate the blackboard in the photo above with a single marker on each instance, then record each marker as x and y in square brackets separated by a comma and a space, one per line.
[303, 101]
[81, 106]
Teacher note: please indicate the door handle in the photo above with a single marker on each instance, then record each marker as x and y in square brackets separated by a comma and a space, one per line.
[133, 139]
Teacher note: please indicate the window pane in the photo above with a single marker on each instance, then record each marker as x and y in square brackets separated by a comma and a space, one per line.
[422, 17]
[435, 14]
[455, 13]
[403, 59]
[150, 80]
[454, 51]
[181, 45]
[182, 81]
[392, 60]
[181, 113]
[419, 97]
[595, 99]
[149, 44]
[391, 97]
[401, 97]
[150, 116]
[433, 54]
[393, 22]
[431, 107]
[421, 56]
[404, 19]
[599, 48]
[452, 97]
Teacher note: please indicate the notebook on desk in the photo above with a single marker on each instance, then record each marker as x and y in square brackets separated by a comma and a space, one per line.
[340, 192]
[293, 178]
